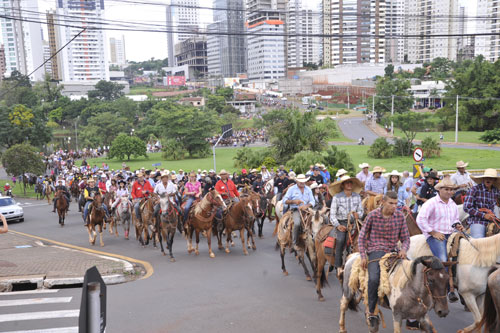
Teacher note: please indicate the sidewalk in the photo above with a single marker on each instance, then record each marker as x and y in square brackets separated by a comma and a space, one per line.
[26, 260]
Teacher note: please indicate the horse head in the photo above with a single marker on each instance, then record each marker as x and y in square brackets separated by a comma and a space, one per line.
[248, 209]
[216, 199]
[435, 280]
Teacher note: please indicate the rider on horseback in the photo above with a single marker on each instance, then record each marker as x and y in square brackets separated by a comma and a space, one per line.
[192, 191]
[61, 186]
[140, 191]
[90, 191]
[227, 190]
[165, 187]
[462, 179]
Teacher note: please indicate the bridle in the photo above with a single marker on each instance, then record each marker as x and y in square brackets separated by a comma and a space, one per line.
[426, 284]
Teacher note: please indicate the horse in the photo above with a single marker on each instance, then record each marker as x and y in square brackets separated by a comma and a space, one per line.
[167, 222]
[96, 217]
[123, 215]
[47, 193]
[39, 191]
[146, 222]
[109, 198]
[239, 217]
[411, 223]
[74, 189]
[61, 206]
[256, 201]
[200, 219]
[372, 202]
[412, 289]
[475, 258]
[491, 307]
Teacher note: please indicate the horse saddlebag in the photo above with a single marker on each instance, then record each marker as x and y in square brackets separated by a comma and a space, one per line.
[329, 245]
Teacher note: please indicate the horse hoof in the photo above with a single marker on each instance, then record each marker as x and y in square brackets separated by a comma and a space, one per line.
[308, 278]
[190, 251]
[212, 255]
[102, 245]
[196, 252]
[245, 253]
[164, 253]
[254, 247]
[285, 273]
[227, 251]
[172, 260]
[261, 237]
[321, 299]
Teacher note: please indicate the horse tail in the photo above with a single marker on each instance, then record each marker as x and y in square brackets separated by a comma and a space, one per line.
[323, 281]
[353, 305]
[489, 313]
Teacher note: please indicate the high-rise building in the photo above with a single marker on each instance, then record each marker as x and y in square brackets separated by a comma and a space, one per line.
[85, 58]
[22, 39]
[266, 39]
[426, 18]
[117, 51]
[54, 45]
[494, 9]
[2, 62]
[482, 43]
[46, 56]
[193, 52]
[303, 28]
[394, 29]
[358, 29]
[226, 48]
[183, 20]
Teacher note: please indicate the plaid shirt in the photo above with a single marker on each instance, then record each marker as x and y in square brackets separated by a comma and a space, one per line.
[437, 215]
[479, 197]
[342, 205]
[380, 234]
[376, 185]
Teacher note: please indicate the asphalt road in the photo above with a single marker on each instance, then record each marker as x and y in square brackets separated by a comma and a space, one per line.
[354, 129]
[230, 293]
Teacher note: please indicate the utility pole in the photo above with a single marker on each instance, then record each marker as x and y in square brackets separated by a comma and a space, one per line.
[348, 101]
[374, 116]
[215, 145]
[392, 114]
[456, 122]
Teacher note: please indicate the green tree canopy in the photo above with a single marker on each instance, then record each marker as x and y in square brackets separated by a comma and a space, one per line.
[410, 123]
[107, 91]
[22, 158]
[103, 128]
[216, 103]
[126, 146]
[388, 86]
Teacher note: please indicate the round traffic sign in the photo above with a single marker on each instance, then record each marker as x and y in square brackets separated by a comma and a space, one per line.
[418, 154]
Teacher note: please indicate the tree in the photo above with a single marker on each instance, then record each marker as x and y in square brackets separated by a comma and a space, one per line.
[21, 116]
[226, 92]
[301, 161]
[336, 159]
[21, 159]
[216, 103]
[173, 151]
[103, 128]
[388, 86]
[431, 147]
[107, 91]
[410, 123]
[125, 146]
[380, 149]
[491, 136]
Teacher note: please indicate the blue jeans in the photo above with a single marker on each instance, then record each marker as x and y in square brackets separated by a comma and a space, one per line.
[86, 211]
[373, 279]
[137, 210]
[189, 203]
[477, 230]
[438, 248]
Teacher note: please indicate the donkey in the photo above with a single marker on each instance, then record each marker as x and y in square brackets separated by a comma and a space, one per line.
[239, 217]
[491, 308]
[475, 258]
[412, 289]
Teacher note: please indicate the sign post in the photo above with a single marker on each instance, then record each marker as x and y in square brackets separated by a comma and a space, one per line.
[418, 155]
[93, 306]
[418, 171]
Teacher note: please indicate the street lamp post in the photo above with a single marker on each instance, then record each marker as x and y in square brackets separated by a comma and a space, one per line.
[215, 145]
[76, 132]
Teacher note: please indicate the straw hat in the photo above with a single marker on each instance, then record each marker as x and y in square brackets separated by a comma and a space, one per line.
[164, 174]
[378, 169]
[313, 186]
[337, 186]
[223, 172]
[394, 173]
[253, 170]
[301, 178]
[446, 183]
[291, 174]
[364, 165]
[462, 164]
[488, 173]
[341, 172]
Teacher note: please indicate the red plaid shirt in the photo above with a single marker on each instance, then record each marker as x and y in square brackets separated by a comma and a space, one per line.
[380, 234]
[479, 197]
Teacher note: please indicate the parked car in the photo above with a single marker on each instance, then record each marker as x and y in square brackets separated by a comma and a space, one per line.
[11, 209]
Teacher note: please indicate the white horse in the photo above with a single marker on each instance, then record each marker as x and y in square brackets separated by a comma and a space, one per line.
[475, 258]
[124, 214]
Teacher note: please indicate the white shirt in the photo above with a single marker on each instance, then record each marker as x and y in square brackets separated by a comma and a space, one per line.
[170, 188]
[460, 179]
[363, 177]
[266, 175]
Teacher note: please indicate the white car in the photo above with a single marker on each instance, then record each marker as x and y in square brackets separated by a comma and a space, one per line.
[11, 209]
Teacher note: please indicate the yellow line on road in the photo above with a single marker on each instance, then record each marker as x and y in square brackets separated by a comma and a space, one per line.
[147, 265]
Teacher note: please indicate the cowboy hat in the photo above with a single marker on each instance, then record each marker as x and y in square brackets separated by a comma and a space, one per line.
[394, 173]
[364, 165]
[253, 170]
[301, 178]
[164, 174]
[313, 186]
[488, 173]
[337, 186]
[446, 183]
[462, 164]
[223, 172]
[341, 172]
[173, 177]
[378, 169]
[140, 174]
[433, 174]
[291, 174]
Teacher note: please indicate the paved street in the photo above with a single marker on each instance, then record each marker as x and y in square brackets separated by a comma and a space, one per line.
[231, 293]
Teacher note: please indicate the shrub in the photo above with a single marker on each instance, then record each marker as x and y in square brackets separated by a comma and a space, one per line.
[301, 161]
[402, 147]
[431, 147]
[380, 149]
[173, 151]
[249, 159]
[336, 159]
[491, 136]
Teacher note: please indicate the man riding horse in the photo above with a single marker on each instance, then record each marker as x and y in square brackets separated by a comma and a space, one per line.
[90, 191]
[227, 190]
[61, 186]
[462, 179]
[165, 187]
[140, 191]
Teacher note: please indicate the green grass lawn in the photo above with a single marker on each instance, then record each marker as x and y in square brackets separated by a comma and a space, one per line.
[144, 90]
[449, 136]
[17, 190]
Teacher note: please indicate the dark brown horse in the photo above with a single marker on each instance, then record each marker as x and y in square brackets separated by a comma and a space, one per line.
[200, 219]
[74, 189]
[146, 223]
[239, 217]
[96, 217]
[167, 221]
[61, 206]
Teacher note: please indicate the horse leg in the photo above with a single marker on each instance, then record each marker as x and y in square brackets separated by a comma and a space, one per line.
[196, 251]
[100, 235]
[170, 243]
[161, 236]
[189, 238]
[254, 247]
[470, 301]
[397, 323]
[228, 237]
[209, 239]
[218, 232]
[260, 225]
[344, 302]
[242, 236]
[90, 233]
[426, 324]
[320, 268]
[282, 254]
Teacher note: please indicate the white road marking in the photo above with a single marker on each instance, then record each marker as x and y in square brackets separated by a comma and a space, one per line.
[33, 205]
[50, 330]
[39, 315]
[25, 292]
[35, 301]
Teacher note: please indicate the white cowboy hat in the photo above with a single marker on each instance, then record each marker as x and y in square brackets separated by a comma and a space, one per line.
[291, 174]
[301, 178]
[462, 164]
[378, 169]
[223, 172]
[341, 172]
[253, 170]
[164, 174]
[488, 173]
[364, 165]
[337, 186]
[313, 186]
[446, 183]
[394, 173]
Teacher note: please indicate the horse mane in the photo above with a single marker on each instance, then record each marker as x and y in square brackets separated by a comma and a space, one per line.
[202, 205]
[435, 263]
[489, 251]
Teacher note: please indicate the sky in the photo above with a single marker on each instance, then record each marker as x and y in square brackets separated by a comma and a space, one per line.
[141, 46]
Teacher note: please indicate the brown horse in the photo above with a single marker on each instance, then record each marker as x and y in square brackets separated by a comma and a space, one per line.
[61, 206]
[146, 223]
[372, 202]
[239, 217]
[96, 217]
[491, 308]
[168, 220]
[413, 228]
[200, 219]
[109, 198]
[48, 193]
[74, 189]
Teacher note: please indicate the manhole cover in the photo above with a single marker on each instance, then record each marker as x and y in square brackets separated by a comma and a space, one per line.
[4, 263]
